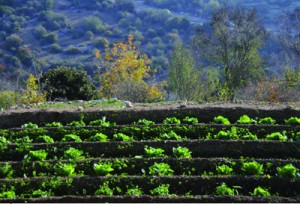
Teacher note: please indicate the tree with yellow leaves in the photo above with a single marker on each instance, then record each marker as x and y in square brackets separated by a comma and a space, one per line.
[31, 94]
[125, 71]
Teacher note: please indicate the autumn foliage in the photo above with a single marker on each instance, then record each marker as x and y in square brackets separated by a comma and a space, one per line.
[31, 94]
[125, 71]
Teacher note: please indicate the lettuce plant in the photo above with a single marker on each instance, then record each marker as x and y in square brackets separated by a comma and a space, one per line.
[99, 137]
[288, 171]
[245, 119]
[259, 191]
[277, 136]
[223, 189]
[66, 169]
[292, 121]
[154, 152]
[71, 138]
[267, 120]
[6, 170]
[221, 120]
[252, 168]
[144, 122]
[122, 137]
[39, 155]
[182, 152]
[134, 191]
[169, 136]
[29, 125]
[54, 124]
[172, 120]
[162, 190]
[190, 120]
[44, 139]
[161, 169]
[73, 154]
[103, 168]
[224, 170]
[104, 189]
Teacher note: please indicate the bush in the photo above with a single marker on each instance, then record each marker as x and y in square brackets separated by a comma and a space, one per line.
[100, 42]
[51, 38]
[70, 83]
[13, 41]
[39, 32]
[73, 50]
[92, 23]
[54, 21]
[8, 98]
[55, 48]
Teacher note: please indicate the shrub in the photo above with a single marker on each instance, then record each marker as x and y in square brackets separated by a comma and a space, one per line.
[40, 32]
[54, 21]
[101, 42]
[8, 99]
[13, 41]
[92, 23]
[71, 49]
[51, 38]
[70, 83]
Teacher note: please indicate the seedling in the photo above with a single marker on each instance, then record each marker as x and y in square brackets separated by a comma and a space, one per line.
[267, 120]
[99, 137]
[244, 119]
[71, 138]
[182, 152]
[54, 124]
[288, 171]
[39, 155]
[223, 189]
[224, 170]
[252, 168]
[221, 120]
[161, 169]
[162, 190]
[293, 121]
[190, 120]
[44, 139]
[144, 122]
[104, 189]
[73, 154]
[154, 152]
[277, 136]
[6, 171]
[122, 137]
[103, 168]
[29, 125]
[134, 191]
[259, 191]
[172, 120]
[64, 169]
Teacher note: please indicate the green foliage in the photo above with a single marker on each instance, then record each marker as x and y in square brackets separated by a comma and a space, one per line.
[70, 83]
[55, 48]
[71, 138]
[122, 137]
[161, 190]
[224, 170]
[231, 134]
[64, 169]
[9, 194]
[103, 168]
[221, 120]
[267, 120]
[6, 170]
[223, 189]
[44, 139]
[79, 123]
[154, 152]
[169, 136]
[252, 168]
[3, 144]
[29, 125]
[92, 23]
[144, 122]
[104, 189]
[172, 120]
[136, 191]
[245, 119]
[39, 155]
[13, 41]
[276, 136]
[182, 152]
[72, 50]
[292, 121]
[102, 122]
[99, 137]
[32, 93]
[259, 191]
[73, 154]
[54, 21]
[161, 169]
[41, 194]
[8, 99]
[183, 76]
[288, 171]
[190, 120]
[54, 124]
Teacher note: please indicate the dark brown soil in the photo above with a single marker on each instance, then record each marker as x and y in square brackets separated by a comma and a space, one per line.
[204, 112]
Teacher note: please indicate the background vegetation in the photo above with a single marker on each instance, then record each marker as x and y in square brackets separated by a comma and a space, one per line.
[204, 50]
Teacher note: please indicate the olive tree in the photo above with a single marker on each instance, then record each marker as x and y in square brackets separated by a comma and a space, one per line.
[232, 42]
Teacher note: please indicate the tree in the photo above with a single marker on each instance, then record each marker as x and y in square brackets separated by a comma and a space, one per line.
[290, 31]
[31, 94]
[183, 76]
[232, 43]
[125, 69]
[66, 82]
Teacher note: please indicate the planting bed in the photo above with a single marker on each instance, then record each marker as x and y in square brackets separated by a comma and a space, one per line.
[105, 160]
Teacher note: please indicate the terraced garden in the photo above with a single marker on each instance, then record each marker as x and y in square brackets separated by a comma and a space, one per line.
[179, 155]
